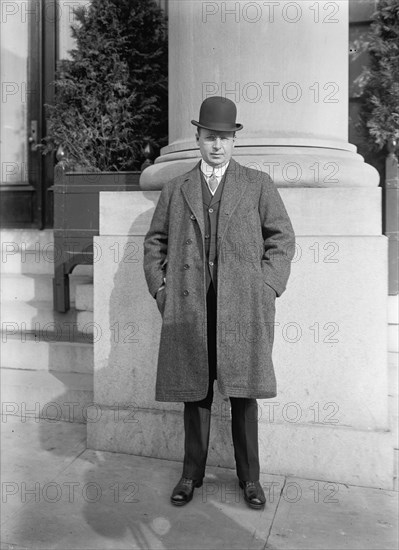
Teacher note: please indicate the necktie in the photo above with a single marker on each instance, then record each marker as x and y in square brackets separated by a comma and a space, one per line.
[213, 182]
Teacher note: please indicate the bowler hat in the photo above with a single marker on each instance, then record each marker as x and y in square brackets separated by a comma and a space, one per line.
[218, 113]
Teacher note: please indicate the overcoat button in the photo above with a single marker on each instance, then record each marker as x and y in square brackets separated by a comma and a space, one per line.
[186, 293]
[189, 241]
[186, 266]
[210, 210]
[206, 236]
[192, 217]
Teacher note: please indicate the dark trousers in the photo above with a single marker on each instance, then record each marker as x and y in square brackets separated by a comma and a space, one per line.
[197, 419]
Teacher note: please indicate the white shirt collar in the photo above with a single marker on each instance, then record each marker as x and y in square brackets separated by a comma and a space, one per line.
[207, 170]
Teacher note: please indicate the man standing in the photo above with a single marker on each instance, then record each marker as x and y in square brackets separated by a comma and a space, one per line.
[217, 254]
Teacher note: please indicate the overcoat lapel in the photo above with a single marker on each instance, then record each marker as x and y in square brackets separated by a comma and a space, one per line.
[234, 187]
[192, 191]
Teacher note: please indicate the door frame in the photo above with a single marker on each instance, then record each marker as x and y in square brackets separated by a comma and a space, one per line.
[29, 204]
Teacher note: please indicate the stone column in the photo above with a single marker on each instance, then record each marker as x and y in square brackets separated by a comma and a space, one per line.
[285, 64]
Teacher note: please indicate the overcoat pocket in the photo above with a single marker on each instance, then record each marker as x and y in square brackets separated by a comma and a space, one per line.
[271, 289]
[160, 298]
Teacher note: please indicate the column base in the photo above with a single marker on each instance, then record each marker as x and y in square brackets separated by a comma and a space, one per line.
[288, 166]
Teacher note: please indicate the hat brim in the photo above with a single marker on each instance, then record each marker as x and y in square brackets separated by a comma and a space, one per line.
[219, 127]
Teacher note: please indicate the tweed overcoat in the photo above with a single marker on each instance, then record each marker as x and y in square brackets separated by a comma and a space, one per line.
[255, 247]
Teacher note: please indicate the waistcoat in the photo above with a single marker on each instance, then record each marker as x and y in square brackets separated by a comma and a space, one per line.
[211, 205]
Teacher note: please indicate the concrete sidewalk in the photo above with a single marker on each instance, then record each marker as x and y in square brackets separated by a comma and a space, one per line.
[58, 494]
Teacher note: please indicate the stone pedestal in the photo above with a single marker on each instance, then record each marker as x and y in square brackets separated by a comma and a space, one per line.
[330, 419]
[285, 65]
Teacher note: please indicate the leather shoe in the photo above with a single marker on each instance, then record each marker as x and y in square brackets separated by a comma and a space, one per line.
[253, 494]
[184, 490]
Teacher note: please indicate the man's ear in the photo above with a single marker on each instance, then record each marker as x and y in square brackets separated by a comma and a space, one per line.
[196, 137]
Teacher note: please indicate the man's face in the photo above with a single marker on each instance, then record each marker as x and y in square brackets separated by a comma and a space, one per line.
[216, 147]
